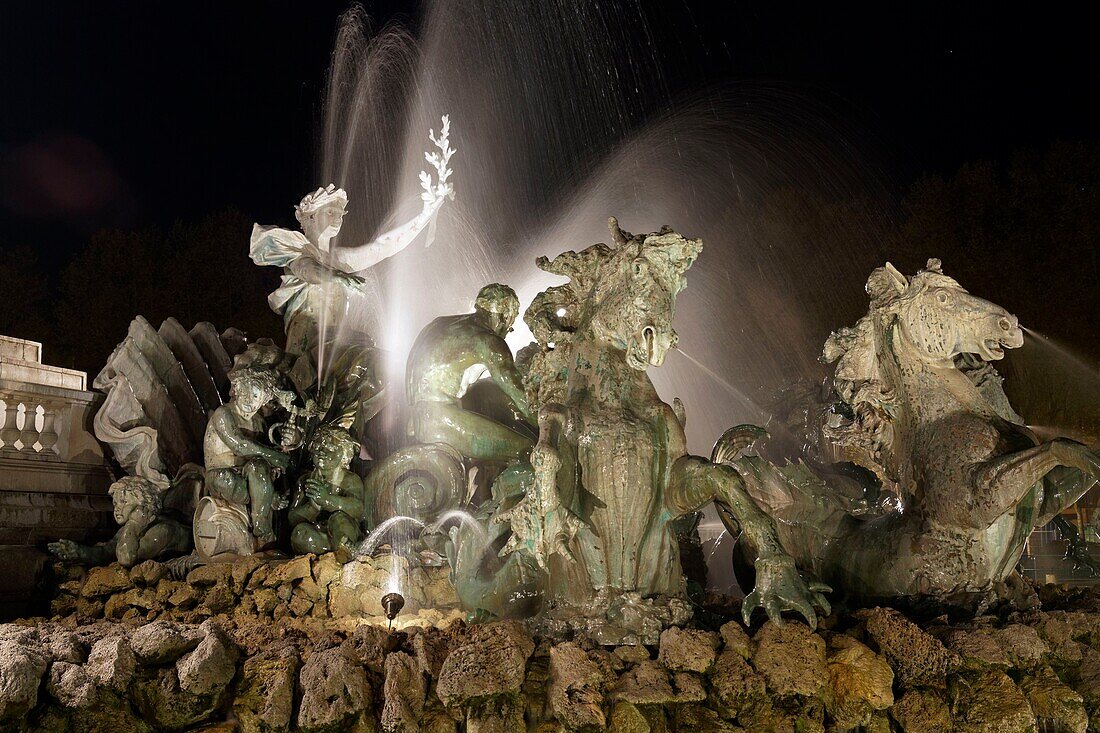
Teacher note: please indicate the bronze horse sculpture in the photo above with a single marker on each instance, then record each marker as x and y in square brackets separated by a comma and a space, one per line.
[917, 406]
[585, 523]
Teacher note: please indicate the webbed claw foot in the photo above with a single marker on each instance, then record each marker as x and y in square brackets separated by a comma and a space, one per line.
[1077, 548]
[780, 587]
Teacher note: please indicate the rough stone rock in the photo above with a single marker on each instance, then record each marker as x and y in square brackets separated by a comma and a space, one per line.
[977, 648]
[370, 644]
[917, 658]
[631, 654]
[436, 719]
[989, 701]
[860, 683]
[63, 646]
[161, 701]
[1023, 646]
[265, 696]
[688, 650]
[699, 719]
[921, 711]
[404, 694]
[21, 671]
[289, 571]
[1055, 705]
[211, 666]
[309, 590]
[207, 575]
[736, 687]
[299, 605]
[112, 663]
[791, 658]
[505, 716]
[805, 717]
[577, 687]
[326, 569]
[735, 639]
[148, 573]
[359, 587]
[19, 634]
[219, 598]
[645, 684]
[627, 718]
[265, 600]
[71, 685]
[490, 665]
[431, 647]
[688, 687]
[163, 641]
[336, 694]
[88, 609]
[1061, 630]
[120, 604]
[259, 575]
[185, 596]
[241, 571]
[105, 581]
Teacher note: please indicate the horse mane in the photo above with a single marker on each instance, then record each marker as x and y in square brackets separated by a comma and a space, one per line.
[860, 418]
[863, 407]
[558, 313]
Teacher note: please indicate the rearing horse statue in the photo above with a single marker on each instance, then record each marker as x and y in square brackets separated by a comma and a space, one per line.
[588, 519]
[916, 403]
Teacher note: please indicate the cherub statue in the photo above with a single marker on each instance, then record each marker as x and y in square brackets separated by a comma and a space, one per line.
[318, 279]
[447, 357]
[148, 531]
[330, 502]
[239, 468]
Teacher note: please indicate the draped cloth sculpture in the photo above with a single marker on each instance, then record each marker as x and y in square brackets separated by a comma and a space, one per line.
[318, 279]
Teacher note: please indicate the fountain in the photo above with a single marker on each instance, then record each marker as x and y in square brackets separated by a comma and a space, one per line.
[493, 534]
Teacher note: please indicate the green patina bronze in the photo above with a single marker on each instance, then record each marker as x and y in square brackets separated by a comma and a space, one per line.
[926, 482]
[147, 530]
[586, 521]
[330, 503]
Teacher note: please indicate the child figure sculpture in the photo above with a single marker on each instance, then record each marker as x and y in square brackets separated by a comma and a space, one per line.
[239, 469]
[330, 504]
[147, 532]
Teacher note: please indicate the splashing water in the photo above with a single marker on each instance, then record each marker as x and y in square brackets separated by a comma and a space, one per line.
[464, 518]
[373, 540]
[562, 117]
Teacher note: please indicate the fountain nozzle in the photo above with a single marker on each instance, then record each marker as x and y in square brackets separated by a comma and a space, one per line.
[392, 603]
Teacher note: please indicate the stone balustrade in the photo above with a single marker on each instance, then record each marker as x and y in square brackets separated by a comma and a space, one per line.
[53, 474]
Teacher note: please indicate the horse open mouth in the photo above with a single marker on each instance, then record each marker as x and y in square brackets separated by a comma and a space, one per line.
[992, 349]
[643, 351]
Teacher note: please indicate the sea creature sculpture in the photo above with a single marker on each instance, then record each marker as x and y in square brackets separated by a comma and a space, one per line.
[918, 421]
[592, 509]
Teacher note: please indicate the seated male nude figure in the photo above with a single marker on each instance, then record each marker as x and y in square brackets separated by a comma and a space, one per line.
[447, 357]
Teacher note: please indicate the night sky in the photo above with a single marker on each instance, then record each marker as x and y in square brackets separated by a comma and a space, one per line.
[134, 113]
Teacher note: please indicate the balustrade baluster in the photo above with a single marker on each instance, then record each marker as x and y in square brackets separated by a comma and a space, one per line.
[10, 432]
[47, 436]
[28, 435]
